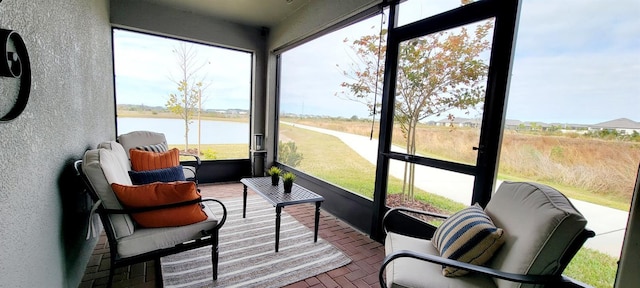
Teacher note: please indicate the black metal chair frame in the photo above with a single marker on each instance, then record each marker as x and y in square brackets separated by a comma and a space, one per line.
[556, 280]
[194, 168]
[209, 237]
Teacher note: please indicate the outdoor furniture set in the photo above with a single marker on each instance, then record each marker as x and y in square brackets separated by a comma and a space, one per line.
[524, 237]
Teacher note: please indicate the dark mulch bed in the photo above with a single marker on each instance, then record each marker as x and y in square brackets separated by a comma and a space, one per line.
[396, 200]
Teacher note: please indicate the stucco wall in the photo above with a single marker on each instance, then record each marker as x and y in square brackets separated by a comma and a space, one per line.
[71, 109]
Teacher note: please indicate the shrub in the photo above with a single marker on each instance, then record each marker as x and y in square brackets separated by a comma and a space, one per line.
[209, 154]
[288, 154]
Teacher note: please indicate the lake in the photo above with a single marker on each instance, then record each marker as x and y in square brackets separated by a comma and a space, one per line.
[212, 132]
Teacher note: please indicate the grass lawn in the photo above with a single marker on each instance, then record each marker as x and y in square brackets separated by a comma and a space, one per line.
[593, 268]
[218, 151]
[345, 168]
[328, 158]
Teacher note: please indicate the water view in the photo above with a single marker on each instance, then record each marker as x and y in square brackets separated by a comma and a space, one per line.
[212, 132]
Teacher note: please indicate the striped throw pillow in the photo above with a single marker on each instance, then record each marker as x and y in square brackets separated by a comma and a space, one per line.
[467, 236]
[160, 147]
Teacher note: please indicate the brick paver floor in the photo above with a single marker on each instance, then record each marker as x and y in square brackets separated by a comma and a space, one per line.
[366, 254]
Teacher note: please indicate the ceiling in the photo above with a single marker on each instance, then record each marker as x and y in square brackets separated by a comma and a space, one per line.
[262, 13]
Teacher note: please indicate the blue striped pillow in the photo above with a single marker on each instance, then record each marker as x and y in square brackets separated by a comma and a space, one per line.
[467, 236]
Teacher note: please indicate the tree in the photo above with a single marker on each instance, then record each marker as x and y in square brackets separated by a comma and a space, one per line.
[436, 73]
[186, 102]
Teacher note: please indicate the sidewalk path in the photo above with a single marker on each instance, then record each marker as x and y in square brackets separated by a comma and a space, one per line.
[609, 224]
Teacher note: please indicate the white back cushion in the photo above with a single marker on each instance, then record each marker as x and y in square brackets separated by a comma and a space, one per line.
[102, 167]
[539, 224]
[140, 138]
[119, 151]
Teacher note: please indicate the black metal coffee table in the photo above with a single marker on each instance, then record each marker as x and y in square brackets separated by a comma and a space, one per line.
[276, 196]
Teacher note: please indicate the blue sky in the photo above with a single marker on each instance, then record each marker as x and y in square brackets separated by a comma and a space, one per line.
[575, 62]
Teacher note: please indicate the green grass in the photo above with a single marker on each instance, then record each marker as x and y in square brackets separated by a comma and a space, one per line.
[328, 158]
[221, 151]
[593, 268]
[345, 168]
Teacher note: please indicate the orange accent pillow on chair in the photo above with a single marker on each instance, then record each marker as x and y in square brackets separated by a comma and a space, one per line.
[159, 193]
[146, 160]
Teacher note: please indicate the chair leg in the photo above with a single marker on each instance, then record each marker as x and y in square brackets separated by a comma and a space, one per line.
[158, 268]
[111, 272]
[214, 256]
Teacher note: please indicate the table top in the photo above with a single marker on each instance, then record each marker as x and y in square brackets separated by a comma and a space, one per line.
[275, 194]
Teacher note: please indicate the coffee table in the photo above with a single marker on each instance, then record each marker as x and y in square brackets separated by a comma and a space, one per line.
[276, 196]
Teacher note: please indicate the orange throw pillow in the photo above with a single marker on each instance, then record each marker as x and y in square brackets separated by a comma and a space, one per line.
[156, 194]
[147, 160]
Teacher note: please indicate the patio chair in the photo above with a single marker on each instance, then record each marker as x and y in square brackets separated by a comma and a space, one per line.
[156, 142]
[538, 228]
[104, 170]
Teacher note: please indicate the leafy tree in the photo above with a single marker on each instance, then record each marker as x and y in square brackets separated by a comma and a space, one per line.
[288, 154]
[436, 73]
[186, 102]
[635, 136]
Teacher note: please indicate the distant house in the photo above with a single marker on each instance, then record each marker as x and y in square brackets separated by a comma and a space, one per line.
[459, 122]
[511, 124]
[622, 125]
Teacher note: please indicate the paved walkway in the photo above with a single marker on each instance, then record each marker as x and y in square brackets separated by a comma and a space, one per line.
[609, 224]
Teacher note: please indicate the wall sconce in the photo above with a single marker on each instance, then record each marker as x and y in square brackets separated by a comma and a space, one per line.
[258, 142]
[15, 65]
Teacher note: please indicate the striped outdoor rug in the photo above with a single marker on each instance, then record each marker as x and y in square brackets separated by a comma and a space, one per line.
[247, 252]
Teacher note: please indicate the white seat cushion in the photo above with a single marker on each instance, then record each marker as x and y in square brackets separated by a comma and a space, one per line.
[408, 272]
[189, 172]
[539, 223]
[145, 240]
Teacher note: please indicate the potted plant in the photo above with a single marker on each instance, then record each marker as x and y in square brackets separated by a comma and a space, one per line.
[287, 179]
[274, 171]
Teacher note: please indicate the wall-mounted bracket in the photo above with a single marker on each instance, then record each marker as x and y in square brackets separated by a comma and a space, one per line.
[15, 64]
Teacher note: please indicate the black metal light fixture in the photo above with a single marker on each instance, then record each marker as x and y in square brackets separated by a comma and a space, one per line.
[15, 65]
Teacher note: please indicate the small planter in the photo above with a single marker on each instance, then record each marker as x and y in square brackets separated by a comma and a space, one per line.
[274, 172]
[287, 179]
[287, 187]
